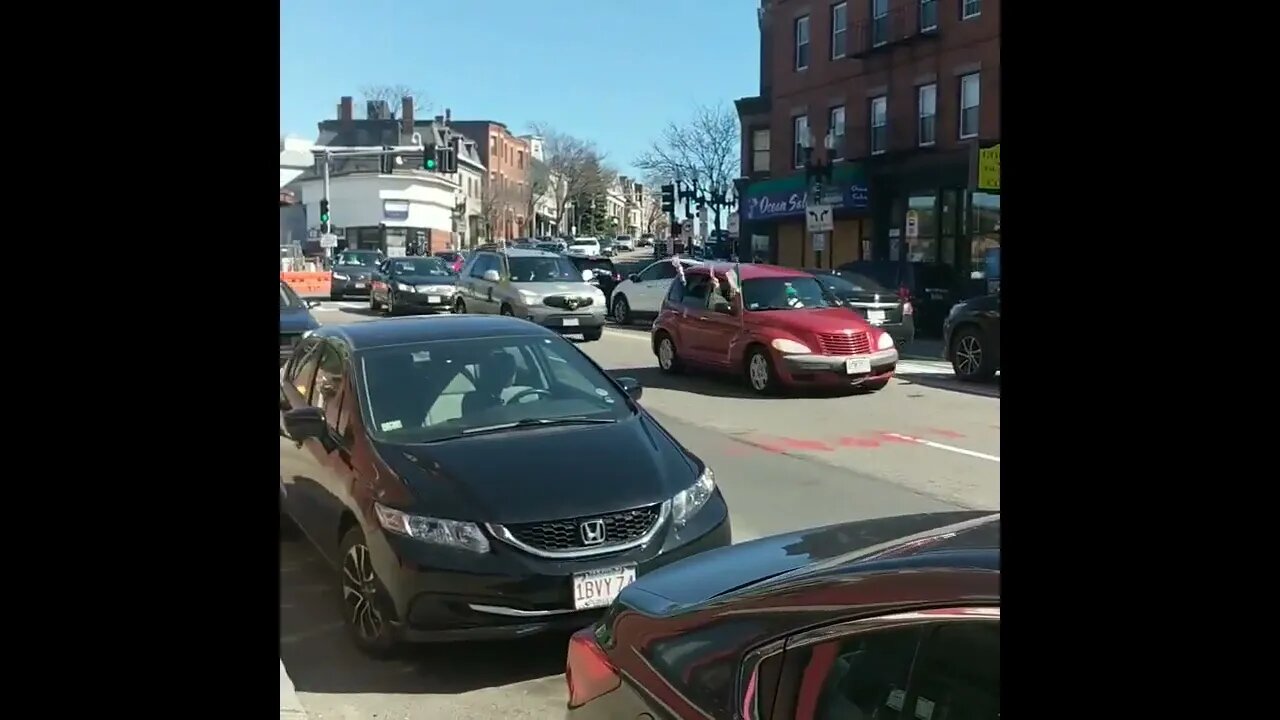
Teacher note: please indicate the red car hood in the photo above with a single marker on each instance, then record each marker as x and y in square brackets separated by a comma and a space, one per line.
[806, 322]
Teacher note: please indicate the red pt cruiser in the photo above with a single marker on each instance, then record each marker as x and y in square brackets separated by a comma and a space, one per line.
[778, 330]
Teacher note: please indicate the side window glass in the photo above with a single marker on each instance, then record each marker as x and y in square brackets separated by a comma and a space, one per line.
[666, 271]
[651, 272]
[676, 292]
[958, 674]
[306, 371]
[695, 291]
[481, 264]
[719, 293]
[855, 676]
[562, 373]
[328, 385]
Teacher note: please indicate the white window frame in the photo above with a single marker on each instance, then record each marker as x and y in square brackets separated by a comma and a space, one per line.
[970, 9]
[799, 127]
[934, 26]
[841, 29]
[882, 15]
[801, 22]
[932, 89]
[756, 149]
[977, 80]
[837, 131]
[883, 101]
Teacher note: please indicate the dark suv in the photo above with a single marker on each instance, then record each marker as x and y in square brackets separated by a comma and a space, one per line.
[971, 336]
[606, 273]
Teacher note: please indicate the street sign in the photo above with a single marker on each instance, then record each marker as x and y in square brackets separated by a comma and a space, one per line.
[328, 240]
[819, 242]
[913, 224]
[313, 233]
[819, 218]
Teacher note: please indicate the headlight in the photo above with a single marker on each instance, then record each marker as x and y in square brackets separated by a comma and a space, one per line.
[451, 533]
[790, 347]
[340, 276]
[597, 295]
[403, 287]
[688, 502]
[884, 342]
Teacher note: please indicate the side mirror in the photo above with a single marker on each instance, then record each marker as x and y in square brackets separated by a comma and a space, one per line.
[492, 275]
[723, 308]
[305, 422]
[313, 304]
[588, 276]
[631, 387]
[634, 277]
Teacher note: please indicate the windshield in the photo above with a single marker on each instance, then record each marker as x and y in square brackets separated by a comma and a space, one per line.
[584, 241]
[420, 266]
[783, 293]
[604, 264]
[365, 259]
[289, 300]
[438, 390]
[605, 242]
[543, 269]
[885, 274]
[549, 247]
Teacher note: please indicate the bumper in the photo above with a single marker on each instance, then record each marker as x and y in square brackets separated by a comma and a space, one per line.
[564, 321]
[833, 369]
[339, 288]
[507, 593]
[424, 301]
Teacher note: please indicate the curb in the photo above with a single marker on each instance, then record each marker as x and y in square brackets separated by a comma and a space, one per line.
[290, 706]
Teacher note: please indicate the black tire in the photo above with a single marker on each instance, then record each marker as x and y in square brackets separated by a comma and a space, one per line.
[621, 310]
[971, 357]
[460, 307]
[592, 334]
[506, 310]
[367, 610]
[761, 376]
[667, 365]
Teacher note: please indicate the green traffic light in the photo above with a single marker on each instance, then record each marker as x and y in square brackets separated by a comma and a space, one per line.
[324, 218]
[429, 164]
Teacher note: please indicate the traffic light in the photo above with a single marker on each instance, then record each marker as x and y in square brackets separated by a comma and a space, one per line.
[430, 157]
[324, 213]
[447, 159]
[668, 198]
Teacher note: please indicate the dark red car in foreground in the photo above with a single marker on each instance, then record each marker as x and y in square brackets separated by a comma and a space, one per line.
[781, 330]
[895, 618]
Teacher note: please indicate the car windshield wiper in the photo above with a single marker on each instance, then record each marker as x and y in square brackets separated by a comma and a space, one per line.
[538, 422]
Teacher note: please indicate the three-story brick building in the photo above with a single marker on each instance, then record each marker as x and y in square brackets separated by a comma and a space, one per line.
[509, 161]
[909, 89]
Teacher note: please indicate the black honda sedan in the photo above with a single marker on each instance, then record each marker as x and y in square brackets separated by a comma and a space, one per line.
[413, 284]
[442, 465]
[896, 617]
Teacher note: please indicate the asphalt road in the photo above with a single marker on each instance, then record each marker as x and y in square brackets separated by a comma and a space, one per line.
[923, 443]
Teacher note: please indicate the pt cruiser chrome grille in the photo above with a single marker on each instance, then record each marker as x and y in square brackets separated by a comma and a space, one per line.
[587, 535]
[568, 302]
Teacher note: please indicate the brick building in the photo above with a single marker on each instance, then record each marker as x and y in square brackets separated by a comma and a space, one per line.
[909, 89]
[509, 162]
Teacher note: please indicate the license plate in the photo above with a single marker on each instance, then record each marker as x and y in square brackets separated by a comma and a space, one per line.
[570, 322]
[875, 317]
[599, 588]
[433, 299]
[359, 286]
[857, 366]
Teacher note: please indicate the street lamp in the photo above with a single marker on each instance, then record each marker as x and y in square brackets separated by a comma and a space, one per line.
[717, 197]
[740, 185]
[816, 171]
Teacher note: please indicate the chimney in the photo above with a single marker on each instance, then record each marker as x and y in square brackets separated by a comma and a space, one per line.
[406, 116]
[448, 115]
[345, 112]
[439, 119]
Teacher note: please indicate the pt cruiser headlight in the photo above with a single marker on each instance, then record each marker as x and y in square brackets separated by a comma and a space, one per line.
[450, 533]
[884, 342]
[689, 501]
[790, 347]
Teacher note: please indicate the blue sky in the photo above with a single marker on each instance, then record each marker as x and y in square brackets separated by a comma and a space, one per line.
[612, 71]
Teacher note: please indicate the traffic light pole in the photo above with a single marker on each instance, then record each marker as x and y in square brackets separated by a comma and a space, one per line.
[324, 226]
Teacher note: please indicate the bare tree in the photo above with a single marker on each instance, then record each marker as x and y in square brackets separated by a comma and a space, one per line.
[706, 149]
[535, 190]
[496, 202]
[654, 219]
[576, 168]
[391, 94]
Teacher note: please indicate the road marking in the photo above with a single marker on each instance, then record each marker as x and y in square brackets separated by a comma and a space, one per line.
[625, 334]
[940, 446]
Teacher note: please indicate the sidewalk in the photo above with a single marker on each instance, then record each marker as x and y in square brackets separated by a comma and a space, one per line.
[290, 707]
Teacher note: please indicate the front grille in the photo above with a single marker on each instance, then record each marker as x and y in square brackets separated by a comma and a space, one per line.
[566, 535]
[568, 302]
[856, 343]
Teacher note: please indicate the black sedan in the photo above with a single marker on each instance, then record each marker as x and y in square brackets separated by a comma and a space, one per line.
[352, 273]
[971, 337]
[891, 618]
[886, 308]
[295, 319]
[438, 464]
[606, 275]
[413, 284]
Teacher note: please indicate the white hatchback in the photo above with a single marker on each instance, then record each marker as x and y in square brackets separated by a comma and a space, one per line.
[641, 294]
[587, 246]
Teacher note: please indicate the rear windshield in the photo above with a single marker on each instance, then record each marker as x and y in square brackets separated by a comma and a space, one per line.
[863, 283]
[366, 259]
[593, 263]
[884, 274]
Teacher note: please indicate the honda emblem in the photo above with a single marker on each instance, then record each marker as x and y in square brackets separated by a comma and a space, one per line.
[592, 532]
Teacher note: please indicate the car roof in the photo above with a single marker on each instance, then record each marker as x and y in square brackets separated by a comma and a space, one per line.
[526, 252]
[417, 329]
[753, 271]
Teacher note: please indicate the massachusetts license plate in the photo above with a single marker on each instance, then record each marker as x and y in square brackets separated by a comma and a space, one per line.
[433, 299]
[570, 322]
[598, 588]
[857, 366]
[359, 286]
[875, 317]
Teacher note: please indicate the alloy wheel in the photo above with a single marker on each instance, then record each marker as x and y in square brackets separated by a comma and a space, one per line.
[968, 355]
[758, 372]
[666, 353]
[360, 593]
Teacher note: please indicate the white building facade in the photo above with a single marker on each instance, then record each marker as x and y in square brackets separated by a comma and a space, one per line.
[392, 213]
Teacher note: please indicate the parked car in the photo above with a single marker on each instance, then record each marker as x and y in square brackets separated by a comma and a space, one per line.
[455, 259]
[624, 243]
[883, 307]
[645, 240]
[606, 247]
[971, 337]
[605, 274]
[640, 296]
[584, 246]
[895, 617]
[781, 331]
[932, 288]
[352, 273]
[437, 464]
[295, 320]
[541, 287]
[413, 284]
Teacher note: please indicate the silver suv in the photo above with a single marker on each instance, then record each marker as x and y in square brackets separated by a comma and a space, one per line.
[538, 286]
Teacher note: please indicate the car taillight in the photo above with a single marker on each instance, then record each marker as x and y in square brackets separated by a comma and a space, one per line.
[617, 277]
[904, 294]
[906, 308]
[587, 670]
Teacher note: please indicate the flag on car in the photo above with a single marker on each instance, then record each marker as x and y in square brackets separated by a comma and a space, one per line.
[675, 260]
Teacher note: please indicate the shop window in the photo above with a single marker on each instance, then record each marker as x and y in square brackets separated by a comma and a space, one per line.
[984, 245]
[924, 247]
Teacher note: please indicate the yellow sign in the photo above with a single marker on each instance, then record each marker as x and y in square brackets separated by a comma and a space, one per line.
[989, 168]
